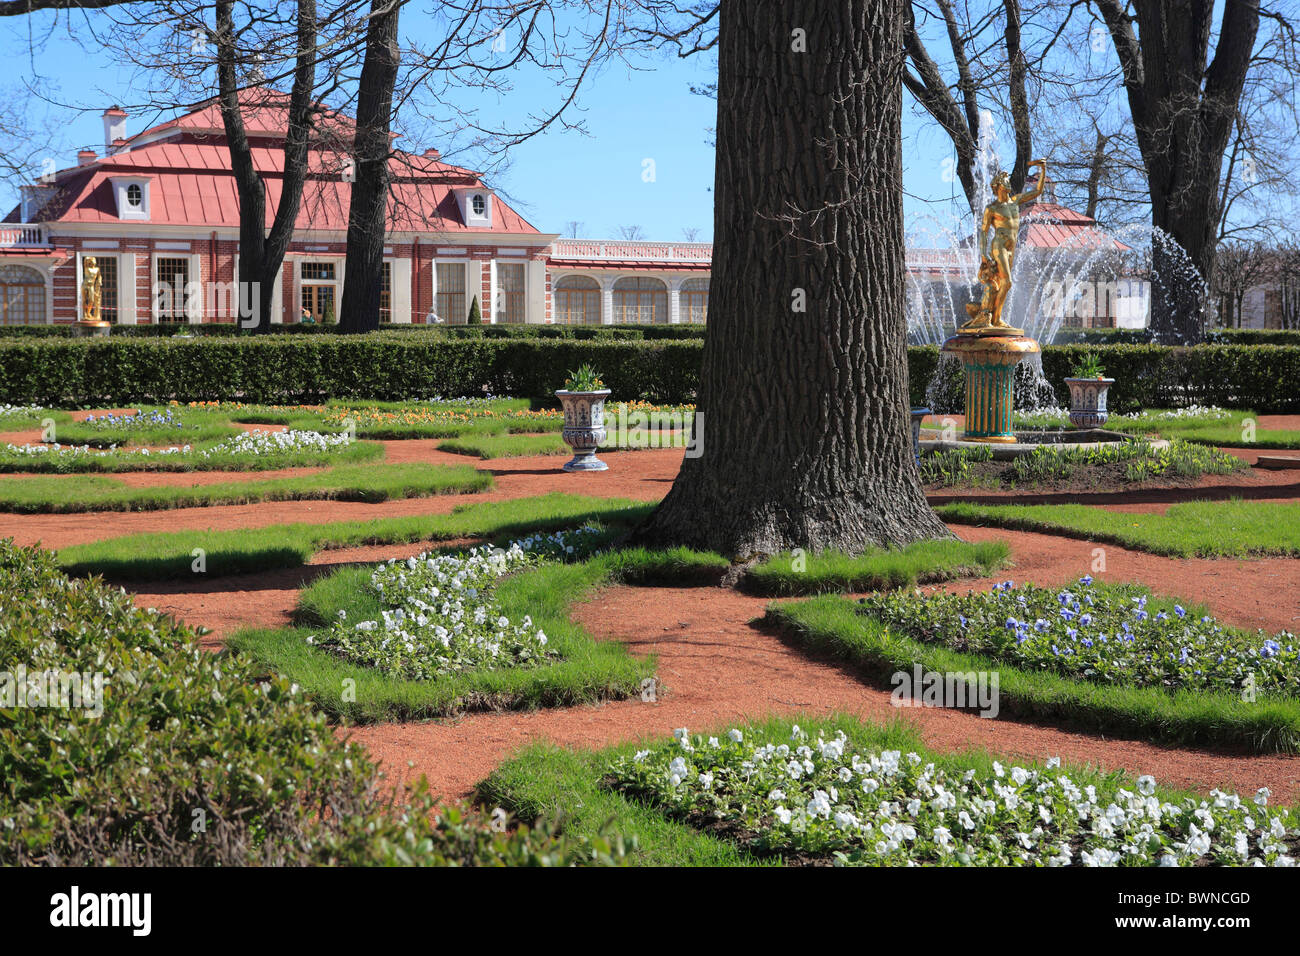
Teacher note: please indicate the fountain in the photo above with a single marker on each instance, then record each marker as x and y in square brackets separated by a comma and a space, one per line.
[989, 348]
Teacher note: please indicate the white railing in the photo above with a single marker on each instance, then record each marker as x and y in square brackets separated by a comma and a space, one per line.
[22, 234]
[632, 249]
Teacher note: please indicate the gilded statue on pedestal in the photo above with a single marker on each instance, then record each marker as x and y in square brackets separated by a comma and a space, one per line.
[998, 252]
[92, 290]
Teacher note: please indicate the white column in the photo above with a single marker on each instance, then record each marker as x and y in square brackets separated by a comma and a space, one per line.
[400, 296]
[675, 301]
[535, 277]
[607, 300]
[127, 289]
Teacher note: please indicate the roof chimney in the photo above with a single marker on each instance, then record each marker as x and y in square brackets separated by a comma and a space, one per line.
[86, 156]
[432, 153]
[114, 126]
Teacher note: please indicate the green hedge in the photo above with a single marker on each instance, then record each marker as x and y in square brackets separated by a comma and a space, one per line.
[1143, 337]
[181, 757]
[310, 368]
[399, 365]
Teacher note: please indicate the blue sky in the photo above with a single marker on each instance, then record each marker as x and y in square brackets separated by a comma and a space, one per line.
[632, 114]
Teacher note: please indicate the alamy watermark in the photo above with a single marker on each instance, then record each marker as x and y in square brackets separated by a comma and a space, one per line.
[961, 690]
[634, 428]
[54, 689]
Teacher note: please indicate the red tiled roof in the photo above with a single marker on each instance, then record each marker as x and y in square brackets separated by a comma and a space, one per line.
[192, 184]
[1050, 225]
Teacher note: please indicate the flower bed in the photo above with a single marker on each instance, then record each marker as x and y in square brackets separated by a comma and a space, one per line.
[824, 798]
[441, 616]
[1107, 636]
[1063, 467]
[253, 451]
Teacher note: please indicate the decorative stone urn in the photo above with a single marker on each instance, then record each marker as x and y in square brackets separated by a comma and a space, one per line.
[1088, 401]
[917, 415]
[584, 427]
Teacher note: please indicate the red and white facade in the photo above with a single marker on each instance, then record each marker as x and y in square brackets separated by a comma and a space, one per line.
[159, 213]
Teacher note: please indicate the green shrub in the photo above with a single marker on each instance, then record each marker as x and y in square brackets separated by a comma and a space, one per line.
[465, 360]
[177, 756]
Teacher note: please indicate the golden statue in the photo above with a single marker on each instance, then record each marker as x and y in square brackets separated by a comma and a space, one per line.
[997, 256]
[92, 290]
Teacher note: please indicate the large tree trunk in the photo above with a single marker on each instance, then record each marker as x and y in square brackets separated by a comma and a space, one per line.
[803, 399]
[368, 213]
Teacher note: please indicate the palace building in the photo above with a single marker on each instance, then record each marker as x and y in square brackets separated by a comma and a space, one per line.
[159, 213]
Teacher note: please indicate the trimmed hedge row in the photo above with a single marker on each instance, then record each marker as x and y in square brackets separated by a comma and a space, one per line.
[607, 332]
[1143, 337]
[291, 369]
[387, 365]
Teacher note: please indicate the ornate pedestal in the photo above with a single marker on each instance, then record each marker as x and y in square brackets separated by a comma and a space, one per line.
[990, 357]
[92, 328]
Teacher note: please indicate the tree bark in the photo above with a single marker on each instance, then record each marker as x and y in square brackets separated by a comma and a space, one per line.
[803, 406]
[368, 212]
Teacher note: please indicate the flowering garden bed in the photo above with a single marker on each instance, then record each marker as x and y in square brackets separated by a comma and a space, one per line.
[840, 792]
[1136, 667]
[245, 451]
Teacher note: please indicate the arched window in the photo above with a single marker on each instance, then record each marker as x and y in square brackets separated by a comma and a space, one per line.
[577, 301]
[134, 196]
[641, 300]
[694, 300]
[22, 296]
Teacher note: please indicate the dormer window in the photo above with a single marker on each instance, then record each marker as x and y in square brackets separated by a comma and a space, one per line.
[475, 206]
[131, 194]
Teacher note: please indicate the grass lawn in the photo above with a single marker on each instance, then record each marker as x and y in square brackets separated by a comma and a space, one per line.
[833, 626]
[63, 494]
[1223, 427]
[168, 554]
[587, 670]
[924, 562]
[506, 446]
[545, 782]
[1193, 529]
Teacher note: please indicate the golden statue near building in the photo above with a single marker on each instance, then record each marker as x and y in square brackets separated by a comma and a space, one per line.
[997, 256]
[92, 290]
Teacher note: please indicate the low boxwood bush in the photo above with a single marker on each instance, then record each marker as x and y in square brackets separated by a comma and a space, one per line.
[123, 743]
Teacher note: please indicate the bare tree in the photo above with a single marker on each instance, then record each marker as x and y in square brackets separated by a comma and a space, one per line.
[368, 213]
[690, 233]
[573, 229]
[1238, 268]
[958, 113]
[1184, 105]
[631, 233]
